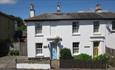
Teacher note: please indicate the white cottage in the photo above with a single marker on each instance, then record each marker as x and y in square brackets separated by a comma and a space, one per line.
[88, 33]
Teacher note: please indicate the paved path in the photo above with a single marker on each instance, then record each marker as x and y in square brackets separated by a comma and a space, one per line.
[7, 62]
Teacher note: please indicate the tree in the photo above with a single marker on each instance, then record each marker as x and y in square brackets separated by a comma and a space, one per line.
[17, 19]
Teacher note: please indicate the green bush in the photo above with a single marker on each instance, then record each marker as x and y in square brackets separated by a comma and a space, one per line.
[14, 52]
[65, 53]
[103, 58]
[82, 57]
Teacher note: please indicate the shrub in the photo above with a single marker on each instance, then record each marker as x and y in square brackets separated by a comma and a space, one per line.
[14, 52]
[103, 58]
[65, 53]
[82, 57]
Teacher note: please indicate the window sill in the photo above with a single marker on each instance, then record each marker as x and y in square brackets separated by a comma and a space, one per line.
[113, 31]
[39, 35]
[96, 33]
[40, 55]
[76, 34]
[77, 53]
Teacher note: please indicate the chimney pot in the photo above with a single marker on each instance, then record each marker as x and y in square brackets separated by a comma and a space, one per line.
[32, 10]
[98, 8]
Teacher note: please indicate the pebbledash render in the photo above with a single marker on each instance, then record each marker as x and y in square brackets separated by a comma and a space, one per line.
[88, 32]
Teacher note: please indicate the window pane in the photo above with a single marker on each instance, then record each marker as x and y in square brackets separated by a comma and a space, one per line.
[38, 51]
[96, 44]
[38, 28]
[38, 48]
[75, 27]
[75, 47]
[113, 25]
[39, 45]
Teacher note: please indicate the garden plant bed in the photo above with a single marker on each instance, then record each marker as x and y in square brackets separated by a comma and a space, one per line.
[72, 63]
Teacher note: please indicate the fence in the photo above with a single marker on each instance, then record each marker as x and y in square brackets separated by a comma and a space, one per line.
[82, 64]
[22, 47]
[110, 51]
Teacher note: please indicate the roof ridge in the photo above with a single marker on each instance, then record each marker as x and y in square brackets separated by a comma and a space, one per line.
[74, 16]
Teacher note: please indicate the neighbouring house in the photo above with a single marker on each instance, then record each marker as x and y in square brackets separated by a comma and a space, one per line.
[86, 32]
[7, 30]
[7, 27]
[12, 34]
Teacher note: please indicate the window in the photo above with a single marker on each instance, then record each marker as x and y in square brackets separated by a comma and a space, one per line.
[75, 47]
[38, 28]
[113, 25]
[96, 26]
[75, 27]
[38, 48]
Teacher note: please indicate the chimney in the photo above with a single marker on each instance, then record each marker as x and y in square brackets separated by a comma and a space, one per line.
[98, 8]
[58, 6]
[32, 10]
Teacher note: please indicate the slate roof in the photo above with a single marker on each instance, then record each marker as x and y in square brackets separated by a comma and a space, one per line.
[73, 16]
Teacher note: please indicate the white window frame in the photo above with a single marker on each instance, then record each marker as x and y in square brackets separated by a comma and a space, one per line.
[75, 47]
[39, 48]
[75, 27]
[113, 22]
[96, 26]
[38, 28]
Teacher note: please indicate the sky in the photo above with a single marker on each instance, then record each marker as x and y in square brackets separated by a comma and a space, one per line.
[20, 8]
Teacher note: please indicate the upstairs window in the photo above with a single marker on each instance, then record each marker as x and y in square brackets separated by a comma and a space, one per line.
[75, 27]
[75, 47]
[38, 48]
[38, 28]
[96, 26]
[113, 25]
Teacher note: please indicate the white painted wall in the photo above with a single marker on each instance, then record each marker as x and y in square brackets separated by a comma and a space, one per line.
[32, 13]
[110, 36]
[63, 29]
[31, 40]
[32, 66]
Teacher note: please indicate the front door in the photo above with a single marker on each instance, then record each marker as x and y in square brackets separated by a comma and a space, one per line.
[53, 51]
[95, 48]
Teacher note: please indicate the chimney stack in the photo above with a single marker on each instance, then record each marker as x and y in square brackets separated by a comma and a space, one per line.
[98, 8]
[32, 10]
[58, 6]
